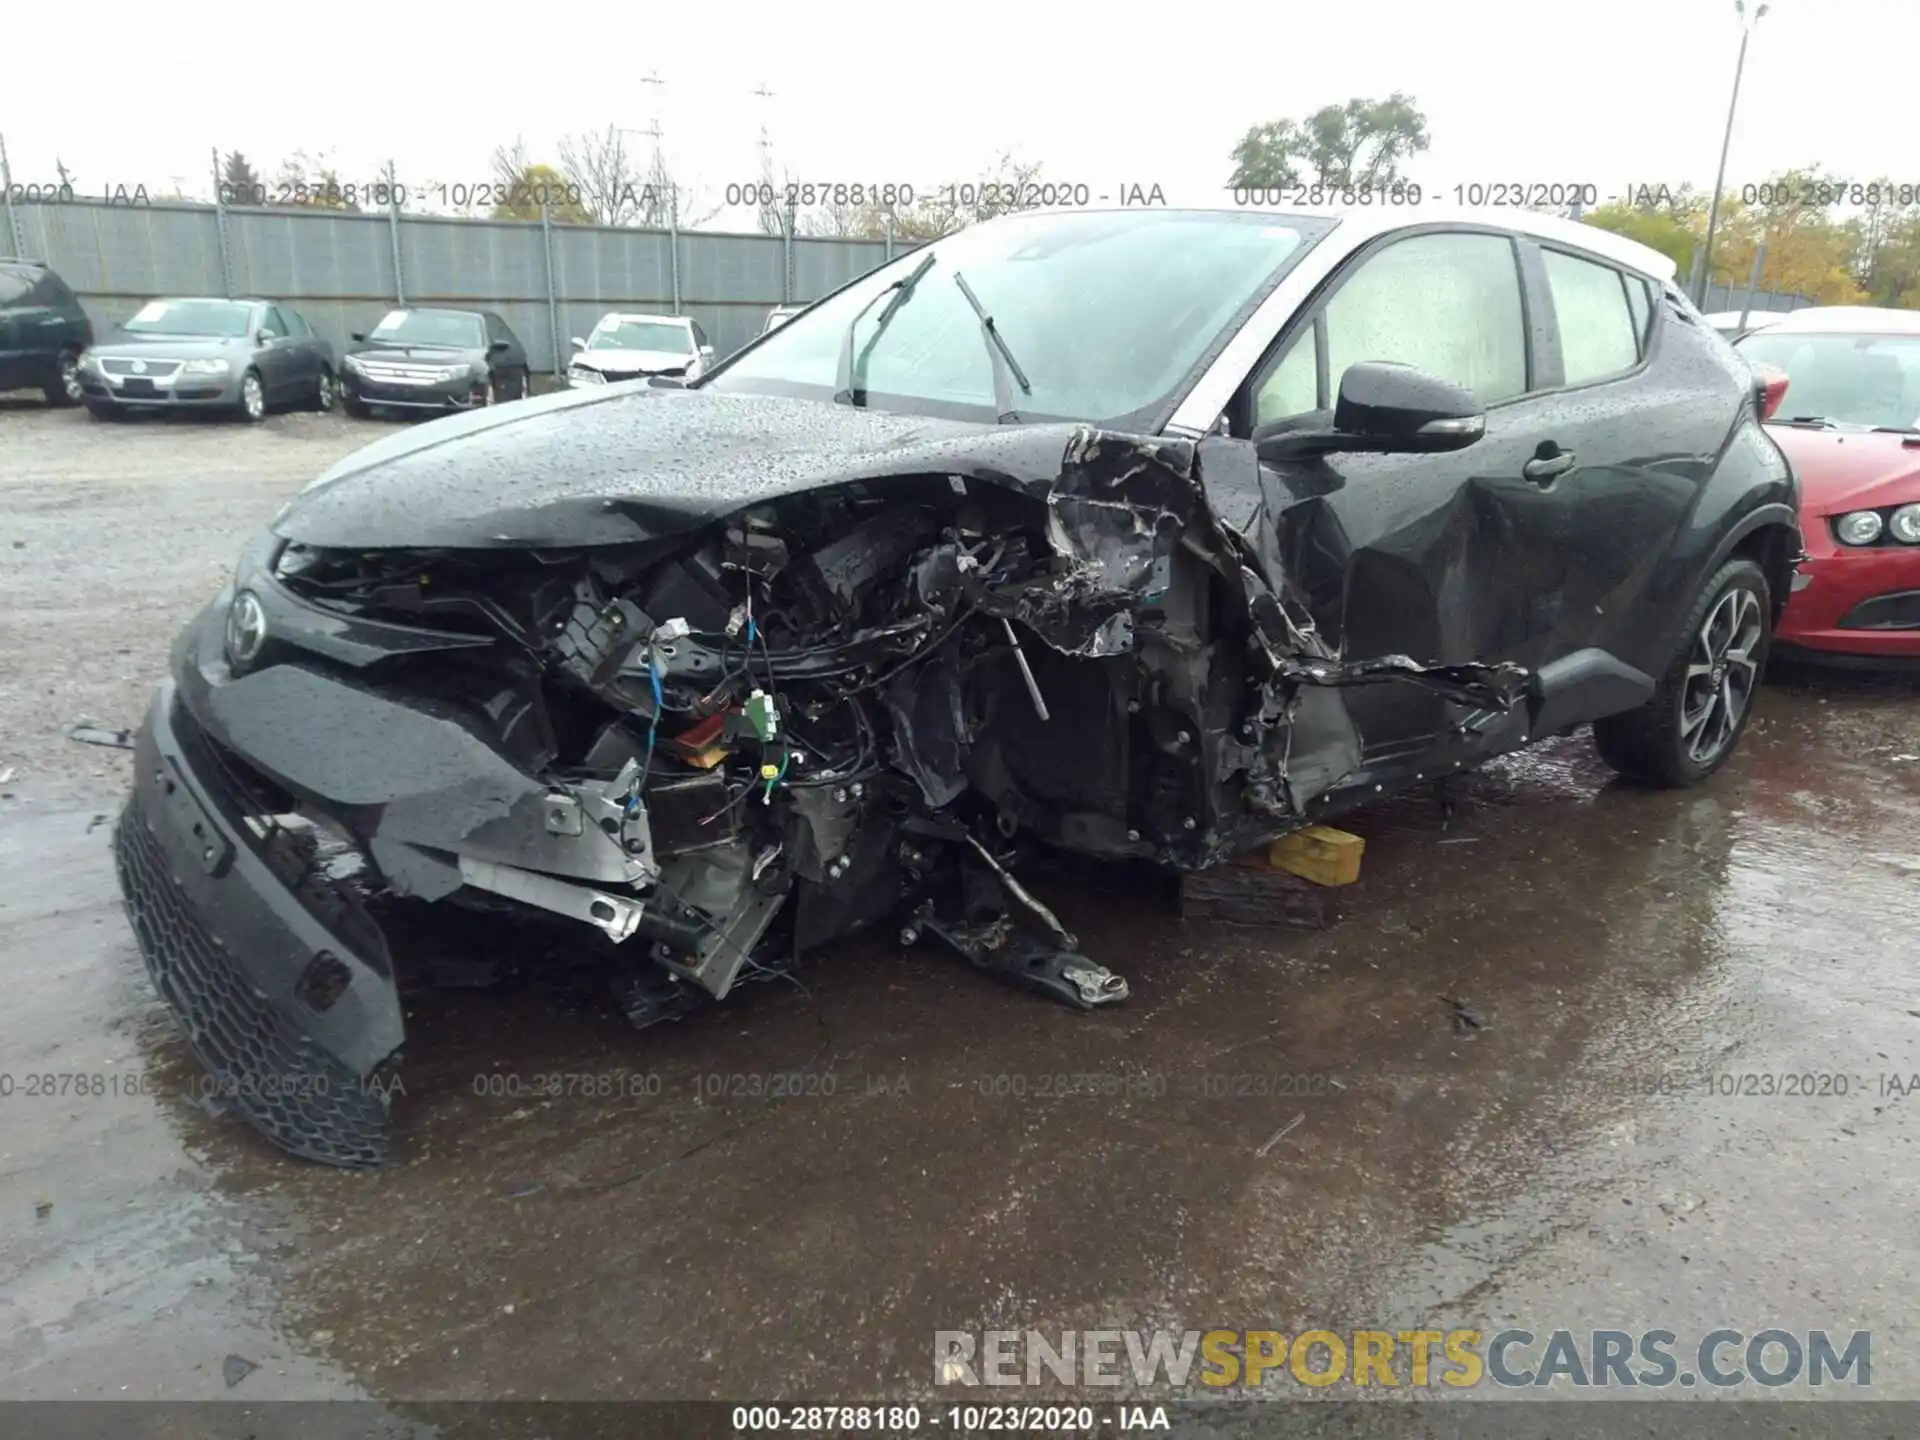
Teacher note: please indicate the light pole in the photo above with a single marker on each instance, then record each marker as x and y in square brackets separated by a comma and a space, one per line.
[1720, 176]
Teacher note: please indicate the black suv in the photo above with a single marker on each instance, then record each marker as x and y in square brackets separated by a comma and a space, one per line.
[1145, 534]
[42, 331]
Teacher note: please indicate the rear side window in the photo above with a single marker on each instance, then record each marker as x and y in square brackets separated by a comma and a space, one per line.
[15, 282]
[296, 323]
[1598, 336]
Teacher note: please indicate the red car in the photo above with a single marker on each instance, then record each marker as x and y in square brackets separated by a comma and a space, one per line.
[1850, 423]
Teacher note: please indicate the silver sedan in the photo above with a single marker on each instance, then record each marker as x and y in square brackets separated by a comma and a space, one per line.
[239, 356]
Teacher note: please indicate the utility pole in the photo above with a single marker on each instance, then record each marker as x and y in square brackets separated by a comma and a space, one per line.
[1720, 177]
[659, 173]
[660, 177]
[15, 239]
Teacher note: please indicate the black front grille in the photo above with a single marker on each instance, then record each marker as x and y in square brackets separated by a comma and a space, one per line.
[1885, 612]
[295, 1093]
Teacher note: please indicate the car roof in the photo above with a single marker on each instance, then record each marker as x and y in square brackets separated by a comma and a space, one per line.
[1359, 223]
[642, 315]
[1856, 319]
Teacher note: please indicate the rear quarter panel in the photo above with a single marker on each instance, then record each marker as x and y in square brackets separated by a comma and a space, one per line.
[1744, 490]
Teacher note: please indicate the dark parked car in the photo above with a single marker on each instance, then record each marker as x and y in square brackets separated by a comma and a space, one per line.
[42, 332]
[240, 356]
[1147, 534]
[434, 359]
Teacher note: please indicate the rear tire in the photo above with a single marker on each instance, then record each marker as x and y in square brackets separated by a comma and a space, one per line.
[65, 387]
[1697, 714]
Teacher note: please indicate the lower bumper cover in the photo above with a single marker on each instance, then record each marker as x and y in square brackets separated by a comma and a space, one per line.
[1824, 614]
[204, 394]
[441, 395]
[231, 946]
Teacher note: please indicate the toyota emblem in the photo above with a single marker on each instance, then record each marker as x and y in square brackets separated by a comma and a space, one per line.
[246, 628]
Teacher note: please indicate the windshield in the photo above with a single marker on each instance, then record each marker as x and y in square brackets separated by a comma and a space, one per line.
[1109, 313]
[226, 319]
[1849, 379]
[642, 335]
[450, 329]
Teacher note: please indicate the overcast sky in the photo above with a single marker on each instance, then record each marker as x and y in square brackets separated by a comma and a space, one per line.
[1615, 93]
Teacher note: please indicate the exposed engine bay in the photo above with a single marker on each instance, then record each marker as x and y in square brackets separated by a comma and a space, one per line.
[855, 699]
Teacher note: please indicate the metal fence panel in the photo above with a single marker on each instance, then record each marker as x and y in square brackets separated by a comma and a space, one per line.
[337, 268]
[118, 253]
[309, 255]
[823, 266]
[1731, 297]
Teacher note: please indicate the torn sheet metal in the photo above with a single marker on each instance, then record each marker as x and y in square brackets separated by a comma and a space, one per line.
[716, 680]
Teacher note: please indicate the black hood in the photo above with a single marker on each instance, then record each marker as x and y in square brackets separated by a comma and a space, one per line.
[586, 468]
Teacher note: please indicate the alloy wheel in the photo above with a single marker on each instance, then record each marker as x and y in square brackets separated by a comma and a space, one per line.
[323, 395]
[1721, 675]
[70, 379]
[253, 400]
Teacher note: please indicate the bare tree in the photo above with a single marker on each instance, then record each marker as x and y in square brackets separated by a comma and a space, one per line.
[775, 204]
[613, 188]
[671, 203]
[837, 221]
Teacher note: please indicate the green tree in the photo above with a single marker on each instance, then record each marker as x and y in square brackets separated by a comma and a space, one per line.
[243, 185]
[1887, 253]
[1007, 185]
[1675, 233]
[1811, 247]
[1360, 143]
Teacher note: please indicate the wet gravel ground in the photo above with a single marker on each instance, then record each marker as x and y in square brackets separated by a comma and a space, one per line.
[1575, 1163]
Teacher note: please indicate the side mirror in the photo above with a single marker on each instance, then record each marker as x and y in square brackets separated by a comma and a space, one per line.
[706, 352]
[1769, 388]
[498, 347]
[1386, 409]
[359, 335]
[578, 343]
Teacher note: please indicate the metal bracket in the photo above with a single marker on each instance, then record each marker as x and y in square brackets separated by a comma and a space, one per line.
[614, 915]
[999, 949]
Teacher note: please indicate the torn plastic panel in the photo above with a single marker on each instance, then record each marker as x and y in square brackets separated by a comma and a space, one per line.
[710, 732]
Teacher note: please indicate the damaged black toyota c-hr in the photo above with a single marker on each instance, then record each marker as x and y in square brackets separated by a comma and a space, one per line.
[1145, 534]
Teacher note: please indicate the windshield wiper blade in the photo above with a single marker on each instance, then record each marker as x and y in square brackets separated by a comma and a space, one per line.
[1825, 422]
[1004, 365]
[850, 384]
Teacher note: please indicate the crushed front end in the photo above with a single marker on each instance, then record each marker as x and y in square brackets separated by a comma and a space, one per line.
[706, 751]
